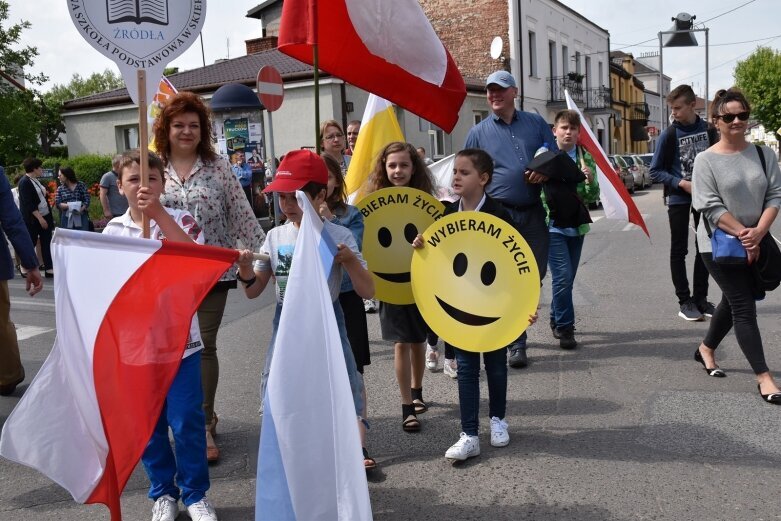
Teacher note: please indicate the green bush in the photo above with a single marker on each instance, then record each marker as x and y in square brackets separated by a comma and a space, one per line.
[89, 168]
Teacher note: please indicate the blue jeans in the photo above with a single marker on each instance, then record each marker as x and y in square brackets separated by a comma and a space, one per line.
[356, 382]
[82, 221]
[469, 386]
[563, 260]
[183, 412]
[531, 225]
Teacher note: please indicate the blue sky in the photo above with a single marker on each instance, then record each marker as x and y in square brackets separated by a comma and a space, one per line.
[63, 51]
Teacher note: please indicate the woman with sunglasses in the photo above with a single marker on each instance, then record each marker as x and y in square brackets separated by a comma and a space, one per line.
[737, 193]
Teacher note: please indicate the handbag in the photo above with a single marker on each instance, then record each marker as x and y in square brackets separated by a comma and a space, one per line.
[767, 268]
[727, 249]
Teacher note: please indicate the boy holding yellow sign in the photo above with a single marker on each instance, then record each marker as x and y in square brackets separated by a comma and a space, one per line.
[472, 172]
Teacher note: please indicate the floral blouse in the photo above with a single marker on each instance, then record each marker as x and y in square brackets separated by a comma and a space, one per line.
[213, 195]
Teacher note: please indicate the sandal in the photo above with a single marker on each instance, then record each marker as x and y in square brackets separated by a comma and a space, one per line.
[212, 427]
[368, 462]
[410, 422]
[417, 401]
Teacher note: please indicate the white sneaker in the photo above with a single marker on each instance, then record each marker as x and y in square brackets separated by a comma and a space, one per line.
[166, 509]
[202, 511]
[369, 306]
[499, 435]
[450, 368]
[466, 447]
[432, 358]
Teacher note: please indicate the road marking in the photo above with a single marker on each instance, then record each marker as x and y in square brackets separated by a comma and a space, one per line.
[25, 332]
[29, 302]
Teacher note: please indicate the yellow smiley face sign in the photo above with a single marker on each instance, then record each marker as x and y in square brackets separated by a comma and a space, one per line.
[393, 217]
[475, 281]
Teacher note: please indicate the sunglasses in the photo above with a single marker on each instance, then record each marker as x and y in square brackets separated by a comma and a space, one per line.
[729, 118]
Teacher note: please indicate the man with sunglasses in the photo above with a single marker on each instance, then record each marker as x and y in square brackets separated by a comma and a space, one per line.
[672, 165]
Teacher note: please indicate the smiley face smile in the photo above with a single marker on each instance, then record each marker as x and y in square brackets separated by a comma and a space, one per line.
[400, 278]
[464, 317]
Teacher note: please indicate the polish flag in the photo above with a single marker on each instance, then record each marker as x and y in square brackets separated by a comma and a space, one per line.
[385, 47]
[616, 201]
[123, 313]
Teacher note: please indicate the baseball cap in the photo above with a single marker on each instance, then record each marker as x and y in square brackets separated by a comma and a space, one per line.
[297, 169]
[502, 78]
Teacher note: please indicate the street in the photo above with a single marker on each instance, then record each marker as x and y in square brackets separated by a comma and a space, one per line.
[626, 427]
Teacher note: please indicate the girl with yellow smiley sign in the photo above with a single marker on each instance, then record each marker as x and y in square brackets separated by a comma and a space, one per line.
[398, 207]
[476, 283]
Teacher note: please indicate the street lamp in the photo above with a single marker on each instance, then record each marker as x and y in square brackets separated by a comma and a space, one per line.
[680, 35]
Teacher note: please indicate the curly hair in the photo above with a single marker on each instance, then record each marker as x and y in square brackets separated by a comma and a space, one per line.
[181, 103]
[339, 195]
[420, 179]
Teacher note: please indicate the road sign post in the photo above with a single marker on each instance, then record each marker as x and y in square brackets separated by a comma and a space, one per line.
[271, 92]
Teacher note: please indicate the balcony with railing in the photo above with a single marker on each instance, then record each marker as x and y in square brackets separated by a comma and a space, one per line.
[597, 98]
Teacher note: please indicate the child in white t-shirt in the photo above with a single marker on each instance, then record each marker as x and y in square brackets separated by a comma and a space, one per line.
[183, 407]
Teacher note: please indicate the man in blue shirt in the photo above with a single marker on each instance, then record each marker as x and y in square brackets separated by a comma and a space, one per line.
[512, 137]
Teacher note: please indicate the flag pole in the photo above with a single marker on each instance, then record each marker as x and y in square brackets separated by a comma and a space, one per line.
[315, 64]
[143, 136]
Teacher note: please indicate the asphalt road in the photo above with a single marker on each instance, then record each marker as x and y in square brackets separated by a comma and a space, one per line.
[626, 427]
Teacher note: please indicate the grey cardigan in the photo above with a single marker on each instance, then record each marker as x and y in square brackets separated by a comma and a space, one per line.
[734, 183]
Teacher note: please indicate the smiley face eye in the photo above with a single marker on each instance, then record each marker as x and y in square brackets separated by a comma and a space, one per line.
[460, 264]
[488, 273]
[410, 232]
[384, 237]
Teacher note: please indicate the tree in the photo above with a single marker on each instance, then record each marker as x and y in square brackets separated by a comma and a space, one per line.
[758, 77]
[18, 119]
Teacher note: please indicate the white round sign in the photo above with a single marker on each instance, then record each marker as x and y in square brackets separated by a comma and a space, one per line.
[139, 34]
[496, 47]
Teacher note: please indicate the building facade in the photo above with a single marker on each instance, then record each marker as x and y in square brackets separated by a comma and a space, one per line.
[631, 110]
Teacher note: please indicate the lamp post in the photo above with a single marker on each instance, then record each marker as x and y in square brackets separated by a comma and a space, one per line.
[680, 35]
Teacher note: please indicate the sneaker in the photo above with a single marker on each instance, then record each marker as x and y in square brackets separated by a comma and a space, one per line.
[567, 338]
[432, 357]
[499, 435]
[202, 511]
[369, 306]
[466, 447]
[450, 368]
[518, 358]
[166, 509]
[706, 308]
[690, 312]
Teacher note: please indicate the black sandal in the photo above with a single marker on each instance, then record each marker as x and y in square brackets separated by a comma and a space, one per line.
[417, 401]
[410, 421]
[368, 461]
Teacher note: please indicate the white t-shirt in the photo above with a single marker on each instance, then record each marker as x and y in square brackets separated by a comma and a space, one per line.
[279, 245]
[124, 226]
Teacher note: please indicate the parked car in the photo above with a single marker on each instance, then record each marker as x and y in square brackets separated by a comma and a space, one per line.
[647, 158]
[622, 171]
[637, 168]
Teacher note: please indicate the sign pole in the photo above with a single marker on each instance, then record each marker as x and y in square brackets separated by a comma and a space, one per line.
[273, 163]
[143, 136]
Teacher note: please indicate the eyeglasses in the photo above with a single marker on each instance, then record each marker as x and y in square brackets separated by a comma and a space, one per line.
[330, 137]
[729, 118]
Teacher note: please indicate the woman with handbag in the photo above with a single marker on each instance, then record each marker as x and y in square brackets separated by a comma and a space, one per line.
[739, 200]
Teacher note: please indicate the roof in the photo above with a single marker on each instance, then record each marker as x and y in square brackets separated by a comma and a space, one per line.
[243, 69]
[257, 11]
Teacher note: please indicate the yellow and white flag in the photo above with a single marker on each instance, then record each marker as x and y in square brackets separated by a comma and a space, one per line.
[378, 128]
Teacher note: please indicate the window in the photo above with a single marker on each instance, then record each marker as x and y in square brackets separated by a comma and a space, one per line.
[552, 57]
[600, 78]
[564, 60]
[479, 115]
[532, 54]
[587, 72]
[577, 62]
[127, 137]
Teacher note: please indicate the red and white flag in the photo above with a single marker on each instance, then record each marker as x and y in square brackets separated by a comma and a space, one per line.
[123, 313]
[387, 48]
[615, 199]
